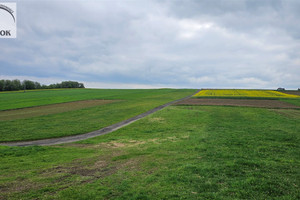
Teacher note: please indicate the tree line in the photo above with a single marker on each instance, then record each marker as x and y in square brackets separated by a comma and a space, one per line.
[13, 85]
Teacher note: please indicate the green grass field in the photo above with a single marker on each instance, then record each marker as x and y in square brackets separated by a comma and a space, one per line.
[180, 152]
[77, 121]
[14, 100]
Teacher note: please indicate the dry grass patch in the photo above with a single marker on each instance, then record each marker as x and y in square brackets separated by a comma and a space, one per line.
[50, 109]
[121, 144]
[106, 145]
[156, 119]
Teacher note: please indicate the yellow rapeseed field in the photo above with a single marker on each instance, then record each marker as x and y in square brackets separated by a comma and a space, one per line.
[244, 93]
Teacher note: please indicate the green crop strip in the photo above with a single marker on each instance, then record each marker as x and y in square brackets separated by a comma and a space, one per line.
[180, 152]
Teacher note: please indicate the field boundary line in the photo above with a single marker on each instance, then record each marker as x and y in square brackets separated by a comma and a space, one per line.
[103, 131]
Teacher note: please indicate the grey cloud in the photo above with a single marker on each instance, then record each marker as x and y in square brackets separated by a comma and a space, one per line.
[180, 43]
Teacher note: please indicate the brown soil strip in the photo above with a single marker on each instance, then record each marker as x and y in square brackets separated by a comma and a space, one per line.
[49, 109]
[238, 102]
[292, 92]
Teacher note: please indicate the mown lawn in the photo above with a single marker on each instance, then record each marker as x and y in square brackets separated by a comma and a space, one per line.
[180, 152]
[78, 121]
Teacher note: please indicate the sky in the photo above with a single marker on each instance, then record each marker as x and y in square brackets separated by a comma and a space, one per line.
[156, 43]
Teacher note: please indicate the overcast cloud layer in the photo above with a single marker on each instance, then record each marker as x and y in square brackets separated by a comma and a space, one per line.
[150, 44]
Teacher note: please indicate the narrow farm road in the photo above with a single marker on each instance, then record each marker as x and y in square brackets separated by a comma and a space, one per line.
[108, 129]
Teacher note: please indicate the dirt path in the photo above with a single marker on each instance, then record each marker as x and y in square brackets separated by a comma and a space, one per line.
[75, 138]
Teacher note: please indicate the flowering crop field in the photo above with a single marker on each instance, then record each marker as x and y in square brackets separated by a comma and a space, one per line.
[244, 93]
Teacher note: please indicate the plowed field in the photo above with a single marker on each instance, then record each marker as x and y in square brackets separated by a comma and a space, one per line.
[239, 102]
[292, 92]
